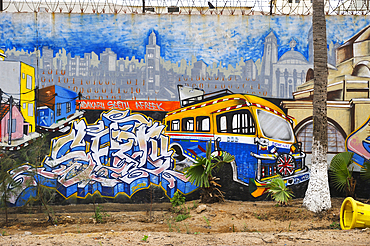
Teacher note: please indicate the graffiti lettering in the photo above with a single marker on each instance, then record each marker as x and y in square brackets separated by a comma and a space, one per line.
[121, 153]
[149, 106]
[92, 105]
[129, 104]
[118, 105]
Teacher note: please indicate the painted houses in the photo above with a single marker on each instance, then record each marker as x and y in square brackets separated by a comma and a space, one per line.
[55, 104]
[13, 121]
[18, 79]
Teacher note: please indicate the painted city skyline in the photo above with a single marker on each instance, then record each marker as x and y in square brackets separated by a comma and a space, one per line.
[147, 63]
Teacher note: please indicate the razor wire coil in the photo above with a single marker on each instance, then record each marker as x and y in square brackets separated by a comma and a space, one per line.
[188, 7]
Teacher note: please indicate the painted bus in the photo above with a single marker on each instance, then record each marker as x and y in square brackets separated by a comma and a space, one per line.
[255, 131]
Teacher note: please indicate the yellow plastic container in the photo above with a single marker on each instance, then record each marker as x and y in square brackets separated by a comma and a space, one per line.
[354, 214]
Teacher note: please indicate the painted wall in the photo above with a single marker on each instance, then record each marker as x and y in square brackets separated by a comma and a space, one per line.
[121, 153]
[136, 62]
[120, 57]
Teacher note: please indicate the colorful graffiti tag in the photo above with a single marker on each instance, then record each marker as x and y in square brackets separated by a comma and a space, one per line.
[358, 142]
[121, 154]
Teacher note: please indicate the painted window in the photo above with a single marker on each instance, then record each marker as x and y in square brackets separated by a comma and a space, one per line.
[275, 127]
[29, 82]
[30, 109]
[336, 141]
[238, 122]
[24, 105]
[68, 107]
[168, 127]
[188, 124]
[175, 125]
[282, 90]
[13, 126]
[203, 124]
[59, 109]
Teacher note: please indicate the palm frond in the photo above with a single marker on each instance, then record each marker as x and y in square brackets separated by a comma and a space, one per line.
[339, 172]
[209, 150]
[196, 173]
[278, 191]
[365, 170]
[200, 173]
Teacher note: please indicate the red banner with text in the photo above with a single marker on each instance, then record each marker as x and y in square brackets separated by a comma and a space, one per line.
[129, 104]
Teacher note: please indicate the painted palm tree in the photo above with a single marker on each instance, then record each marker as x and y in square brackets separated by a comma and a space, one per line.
[317, 196]
[202, 171]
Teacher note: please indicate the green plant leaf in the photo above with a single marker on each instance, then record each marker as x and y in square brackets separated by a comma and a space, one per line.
[339, 172]
[365, 171]
[196, 174]
[177, 199]
[278, 191]
[209, 150]
[200, 173]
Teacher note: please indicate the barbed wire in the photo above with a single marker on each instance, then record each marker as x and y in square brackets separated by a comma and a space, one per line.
[188, 7]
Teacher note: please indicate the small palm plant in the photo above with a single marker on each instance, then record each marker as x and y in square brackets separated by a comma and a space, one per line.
[341, 173]
[365, 171]
[278, 191]
[201, 174]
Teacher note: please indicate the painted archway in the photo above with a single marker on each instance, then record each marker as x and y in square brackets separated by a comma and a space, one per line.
[336, 136]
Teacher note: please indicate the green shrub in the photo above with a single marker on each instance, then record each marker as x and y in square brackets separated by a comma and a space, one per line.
[177, 199]
[278, 191]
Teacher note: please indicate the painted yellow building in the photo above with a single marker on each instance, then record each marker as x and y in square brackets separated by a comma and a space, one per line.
[17, 79]
[348, 95]
[28, 95]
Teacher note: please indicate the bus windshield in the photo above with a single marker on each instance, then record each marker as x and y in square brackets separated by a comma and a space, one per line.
[274, 127]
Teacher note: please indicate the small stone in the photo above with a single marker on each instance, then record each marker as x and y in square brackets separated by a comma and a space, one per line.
[27, 233]
[201, 208]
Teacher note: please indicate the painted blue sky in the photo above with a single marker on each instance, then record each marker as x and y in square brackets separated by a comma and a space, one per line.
[224, 39]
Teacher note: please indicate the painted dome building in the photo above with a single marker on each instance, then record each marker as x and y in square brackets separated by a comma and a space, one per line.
[348, 101]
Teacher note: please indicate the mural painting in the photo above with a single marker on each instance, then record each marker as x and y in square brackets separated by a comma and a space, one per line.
[255, 131]
[358, 142]
[121, 153]
[55, 68]
[348, 97]
[18, 83]
[121, 57]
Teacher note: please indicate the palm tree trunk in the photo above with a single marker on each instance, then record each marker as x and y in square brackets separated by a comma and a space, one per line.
[317, 196]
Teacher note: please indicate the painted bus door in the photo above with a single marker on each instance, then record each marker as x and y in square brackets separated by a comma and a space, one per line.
[235, 133]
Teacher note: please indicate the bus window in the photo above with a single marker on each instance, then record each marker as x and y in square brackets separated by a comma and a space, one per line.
[175, 125]
[238, 122]
[203, 124]
[168, 127]
[275, 127]
[188, 124]
[222, 124]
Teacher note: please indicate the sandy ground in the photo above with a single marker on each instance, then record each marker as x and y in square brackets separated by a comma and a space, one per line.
[229, 223]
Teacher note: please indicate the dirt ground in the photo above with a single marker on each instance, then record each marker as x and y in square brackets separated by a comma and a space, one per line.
[228, 223]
